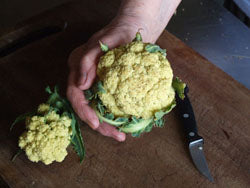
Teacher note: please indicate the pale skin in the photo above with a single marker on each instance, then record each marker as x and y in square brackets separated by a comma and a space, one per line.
[151, 17]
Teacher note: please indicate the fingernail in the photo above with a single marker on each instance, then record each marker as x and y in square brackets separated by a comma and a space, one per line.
[120, 137]
[95, 124]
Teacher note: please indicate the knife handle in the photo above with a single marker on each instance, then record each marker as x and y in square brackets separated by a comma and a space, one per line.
[188, 118]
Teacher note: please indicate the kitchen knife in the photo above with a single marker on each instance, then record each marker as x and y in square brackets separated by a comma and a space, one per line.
[195, 142]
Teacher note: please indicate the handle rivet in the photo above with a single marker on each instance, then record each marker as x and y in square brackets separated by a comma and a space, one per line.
[191, 134]
[186, 115]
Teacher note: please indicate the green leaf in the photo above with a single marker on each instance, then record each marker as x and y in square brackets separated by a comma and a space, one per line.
[100, 120]
[88, 94]
[76, 138]
[66, 114]
[73, 123]
[63, 105]
[158, 115]
[92, 93]
[148, 128]
[153, 48]
[121, 119]
[21, 118]
[16, 155]
[104, 47]
[100, 108]
[135, 125]
[179, 87]
[135, 119]
[55, 109]
[56, 89]
[53, 98]
[136, 134]
[138, 37]
[159, 122]
[109, 121]
[59, 104]
[48, 90]
[100, 87]
[109, 116]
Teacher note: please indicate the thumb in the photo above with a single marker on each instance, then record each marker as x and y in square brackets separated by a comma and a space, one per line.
[87, 68]
[90, 59]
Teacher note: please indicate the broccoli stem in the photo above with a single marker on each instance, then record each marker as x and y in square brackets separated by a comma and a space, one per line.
[111, 122]
[134, 127]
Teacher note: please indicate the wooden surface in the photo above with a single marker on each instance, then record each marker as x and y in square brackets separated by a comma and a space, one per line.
[157, 159]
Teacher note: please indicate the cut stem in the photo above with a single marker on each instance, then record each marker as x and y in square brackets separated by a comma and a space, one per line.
[104, 47]
[138, 37]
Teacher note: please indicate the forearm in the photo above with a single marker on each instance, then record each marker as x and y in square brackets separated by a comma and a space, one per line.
[150, 15]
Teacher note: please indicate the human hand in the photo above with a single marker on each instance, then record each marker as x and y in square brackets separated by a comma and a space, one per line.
[83, 61]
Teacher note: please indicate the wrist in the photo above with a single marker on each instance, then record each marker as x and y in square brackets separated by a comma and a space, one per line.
[131, 24]
[149, 16]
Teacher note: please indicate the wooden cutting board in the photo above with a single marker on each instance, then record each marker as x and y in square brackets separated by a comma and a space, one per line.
[157, 159]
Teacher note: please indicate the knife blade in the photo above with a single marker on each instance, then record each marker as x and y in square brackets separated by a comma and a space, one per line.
[195, 141]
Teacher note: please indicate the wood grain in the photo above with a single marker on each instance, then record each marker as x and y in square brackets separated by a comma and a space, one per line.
[157, 159]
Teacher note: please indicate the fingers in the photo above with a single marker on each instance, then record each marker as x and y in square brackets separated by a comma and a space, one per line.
[87, 114]
[87, 69]
[89, 79]
[81, 80]
[110, 131]
[89, 60]
[83, 65]
[80, 104]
